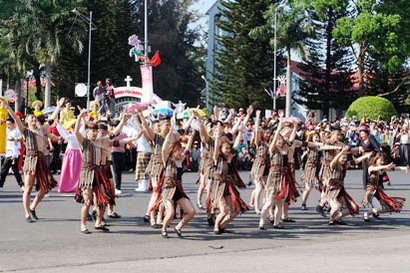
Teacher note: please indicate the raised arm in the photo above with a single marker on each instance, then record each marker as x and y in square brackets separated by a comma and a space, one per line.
[249, 112]
[237, 139]
[117, 130]
[362, 158]
[202, 131]
[388, 167]
[257, 130]
[60, 104]
[20, 124]
[272, 146]
[293, 133]
[235, 127]
[190, 141]
[217, 143]
[77, 127]
[187, 124]
[333, 163]
[149, 133]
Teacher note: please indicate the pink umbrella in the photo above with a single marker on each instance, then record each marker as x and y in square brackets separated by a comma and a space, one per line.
[140, 106]
[292, 119]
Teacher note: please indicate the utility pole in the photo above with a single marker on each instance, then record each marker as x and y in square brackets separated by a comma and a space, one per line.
[274, 62]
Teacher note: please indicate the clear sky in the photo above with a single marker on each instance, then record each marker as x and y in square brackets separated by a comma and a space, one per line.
[203, 5]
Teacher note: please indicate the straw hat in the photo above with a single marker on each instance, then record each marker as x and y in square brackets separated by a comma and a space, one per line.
[37, 102]
[69, 124]
[95, 103]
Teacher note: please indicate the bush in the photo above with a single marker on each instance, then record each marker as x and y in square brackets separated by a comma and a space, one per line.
[373, 107]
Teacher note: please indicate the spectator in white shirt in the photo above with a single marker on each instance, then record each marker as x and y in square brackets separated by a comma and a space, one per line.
[12, 154]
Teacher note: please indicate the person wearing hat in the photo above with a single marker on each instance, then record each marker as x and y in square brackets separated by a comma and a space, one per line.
[94, 115]
[3, 126]
[36, 105]
[67, 115]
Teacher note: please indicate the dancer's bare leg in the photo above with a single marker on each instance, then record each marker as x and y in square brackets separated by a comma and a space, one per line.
[189, 211]
[86, 207]
[169, 215]
[223, 211]
[37, 199]
[201, 189]
[28, 188]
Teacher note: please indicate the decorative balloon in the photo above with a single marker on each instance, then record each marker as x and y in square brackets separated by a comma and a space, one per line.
[137, 50]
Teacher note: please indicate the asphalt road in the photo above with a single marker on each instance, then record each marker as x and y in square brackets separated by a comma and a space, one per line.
[55, 244]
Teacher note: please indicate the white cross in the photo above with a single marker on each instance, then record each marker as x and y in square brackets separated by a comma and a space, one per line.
[128, 80]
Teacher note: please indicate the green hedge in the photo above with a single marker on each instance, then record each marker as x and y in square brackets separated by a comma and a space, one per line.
[373, 107]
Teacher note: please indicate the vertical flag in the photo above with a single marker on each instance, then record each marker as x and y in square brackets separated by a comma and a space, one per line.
[267, 92]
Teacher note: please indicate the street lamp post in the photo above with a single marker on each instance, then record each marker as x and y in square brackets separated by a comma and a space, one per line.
[91, 28]
[274, 61]
[146, 32]
[207, 91]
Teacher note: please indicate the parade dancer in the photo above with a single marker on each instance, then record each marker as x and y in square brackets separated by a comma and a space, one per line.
[208, 167]
[312, 167]
[340, 202]
[375, 195]
[333, 147]
[289, 191]
[36, 171]
[173, 193]
[157, 166]
[274, 182]
[368, 145]
[94, 185]
[260, 168]
[227, 199]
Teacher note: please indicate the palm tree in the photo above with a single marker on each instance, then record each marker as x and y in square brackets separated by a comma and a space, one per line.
[42, 28]
[294, 28]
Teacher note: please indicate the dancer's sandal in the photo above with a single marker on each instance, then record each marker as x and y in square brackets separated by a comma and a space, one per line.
[33, 214]
[164, 234]
[278, 227]
[288, 220]
[178, 232]
[29, 219]
[377, 216]
[146, 218]
[102, 228]
[85, 231]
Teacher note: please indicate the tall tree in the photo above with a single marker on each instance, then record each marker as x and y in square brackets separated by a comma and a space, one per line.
[243, 64]
[42, 28]
[376, 30]
[294, 31]
[115, 22]
[328, 77]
